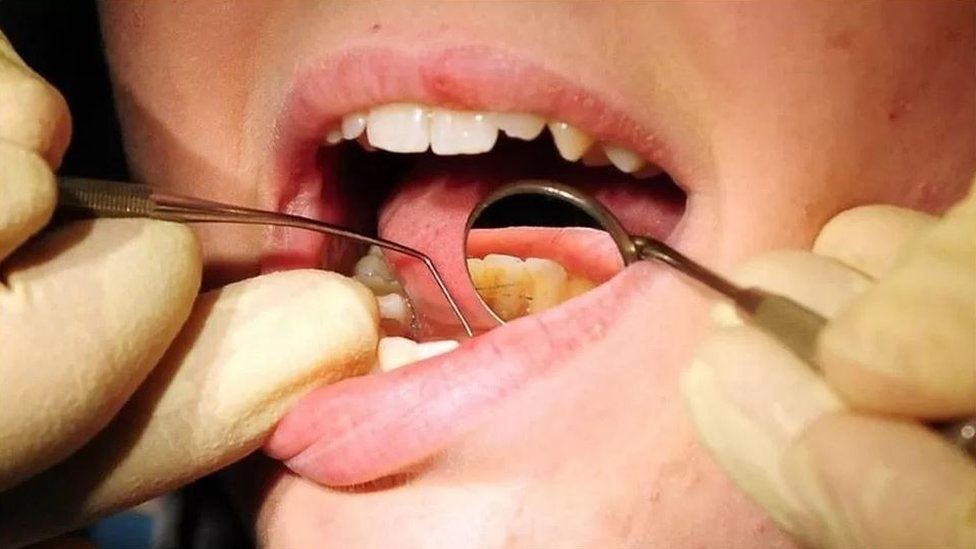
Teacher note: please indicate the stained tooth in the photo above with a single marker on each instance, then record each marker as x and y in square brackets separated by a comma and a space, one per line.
[353, 125]
[648, 171]
[506, 286]
[548, 279]
[625, 160]
[333, 137]
[520, 125]
[512, 287]
[577, 285]
[398, 127]
[456, 132]
[570, 142]
[595, 157]
[394, 307]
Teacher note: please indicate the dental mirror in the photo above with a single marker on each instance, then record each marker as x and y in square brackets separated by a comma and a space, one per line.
[533, 244]
[528, 251]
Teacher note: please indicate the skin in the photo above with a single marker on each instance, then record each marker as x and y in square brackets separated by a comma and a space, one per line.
[787, 114]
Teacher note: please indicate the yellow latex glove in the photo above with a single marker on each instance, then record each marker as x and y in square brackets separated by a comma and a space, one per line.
[841, 460]
[104, 402]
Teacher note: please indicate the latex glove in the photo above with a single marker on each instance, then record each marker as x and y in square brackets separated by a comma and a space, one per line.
[90, 321]
[841, 460]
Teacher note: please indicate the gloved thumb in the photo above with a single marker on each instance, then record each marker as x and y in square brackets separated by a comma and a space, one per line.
[906, 346]
[877, 482]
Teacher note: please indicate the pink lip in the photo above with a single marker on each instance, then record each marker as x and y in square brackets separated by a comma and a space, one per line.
[365, 428]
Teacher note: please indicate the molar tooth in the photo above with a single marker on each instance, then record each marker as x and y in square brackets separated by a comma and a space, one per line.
[507, 285]
[333, 137]
[458, 132]
[394, 307]
[353, 125]
[570, 141]
[625, 160]
[548, 279]
[520, 125]
[375, 273]
[595, 158]
[398, 127]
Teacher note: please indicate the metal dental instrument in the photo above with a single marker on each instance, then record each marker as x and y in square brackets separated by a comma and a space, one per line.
[83, 197]
[793, 324]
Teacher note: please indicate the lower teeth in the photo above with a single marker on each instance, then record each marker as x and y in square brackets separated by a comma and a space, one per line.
[394, 352]
[374, 272]
[513, 287]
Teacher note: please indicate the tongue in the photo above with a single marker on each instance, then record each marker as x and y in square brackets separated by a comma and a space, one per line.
[429, 209]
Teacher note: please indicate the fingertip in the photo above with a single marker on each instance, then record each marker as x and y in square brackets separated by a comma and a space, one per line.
[873, 482]
[870, 238]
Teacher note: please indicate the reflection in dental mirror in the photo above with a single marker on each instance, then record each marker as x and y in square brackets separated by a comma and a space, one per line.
[528, 252]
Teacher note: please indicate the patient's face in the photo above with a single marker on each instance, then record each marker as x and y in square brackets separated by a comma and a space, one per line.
[565, 429]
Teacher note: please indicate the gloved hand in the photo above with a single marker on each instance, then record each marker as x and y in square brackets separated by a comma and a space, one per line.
[88, 310]
[841, 460]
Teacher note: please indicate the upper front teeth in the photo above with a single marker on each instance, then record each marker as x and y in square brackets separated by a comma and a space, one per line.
[413, 128]
[460, 132]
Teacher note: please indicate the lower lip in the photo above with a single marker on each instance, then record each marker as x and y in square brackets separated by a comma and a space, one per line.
[366, 428]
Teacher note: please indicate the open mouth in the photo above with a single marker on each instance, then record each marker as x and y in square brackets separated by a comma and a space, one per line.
[407, 158]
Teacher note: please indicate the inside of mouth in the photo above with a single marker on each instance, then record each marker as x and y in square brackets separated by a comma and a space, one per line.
[530, 269]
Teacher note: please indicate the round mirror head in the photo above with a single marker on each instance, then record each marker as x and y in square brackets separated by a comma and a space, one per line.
[534, 244]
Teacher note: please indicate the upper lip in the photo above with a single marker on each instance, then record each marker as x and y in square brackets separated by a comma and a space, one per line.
[364, 428]
[462, 77]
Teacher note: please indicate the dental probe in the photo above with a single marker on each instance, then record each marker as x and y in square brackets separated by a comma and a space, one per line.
[93, 198]
[791, 323]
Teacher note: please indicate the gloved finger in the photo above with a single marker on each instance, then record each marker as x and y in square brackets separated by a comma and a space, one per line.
[749, 397]
[870, 238]
[870, 482]
[27, 196]
[906, 346]
[247, 353]
[823, 285]
[32, 113]
[85, 313]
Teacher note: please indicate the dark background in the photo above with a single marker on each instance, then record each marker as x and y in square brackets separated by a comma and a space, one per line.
[60, 40]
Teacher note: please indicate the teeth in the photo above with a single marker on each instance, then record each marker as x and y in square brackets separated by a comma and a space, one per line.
[625, 160]
[512, 287]
[570, 142]
[375, 273]
[520, 125]
[413, 128]
[394, 352]
[458, 132]
[333, 137]
[399, 128]
[353, 125]
[396, 308]
[548, 279]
